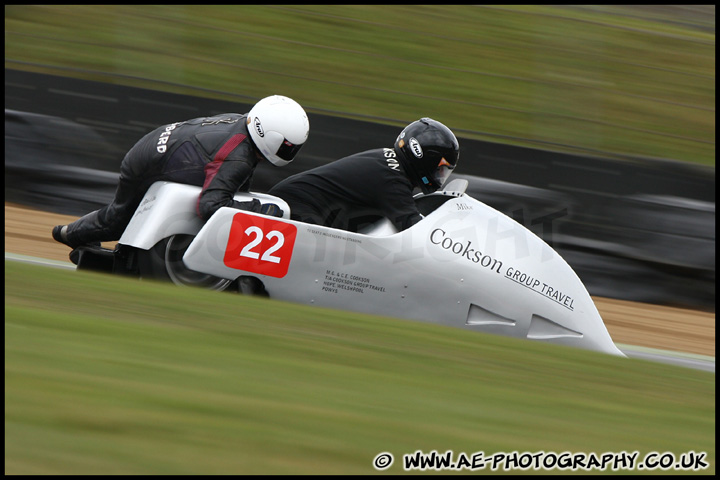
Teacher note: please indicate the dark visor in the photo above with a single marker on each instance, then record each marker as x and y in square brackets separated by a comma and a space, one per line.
[287, 150]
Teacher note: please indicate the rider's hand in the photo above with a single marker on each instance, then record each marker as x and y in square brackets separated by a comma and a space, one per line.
[254, 205]
[272, 210]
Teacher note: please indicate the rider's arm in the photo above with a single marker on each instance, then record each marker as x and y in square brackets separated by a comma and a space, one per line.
[399, 206]
[223, 179]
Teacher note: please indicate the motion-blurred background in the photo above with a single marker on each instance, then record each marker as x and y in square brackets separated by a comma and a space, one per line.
[594, 126]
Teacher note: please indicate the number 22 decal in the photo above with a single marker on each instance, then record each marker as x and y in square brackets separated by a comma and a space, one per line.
[267, 256]
[260, 245]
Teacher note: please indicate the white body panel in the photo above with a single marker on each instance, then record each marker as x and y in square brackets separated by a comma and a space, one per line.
[465, 265]
[171, 208]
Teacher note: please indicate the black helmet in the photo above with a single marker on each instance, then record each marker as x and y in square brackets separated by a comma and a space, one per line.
[428, 151]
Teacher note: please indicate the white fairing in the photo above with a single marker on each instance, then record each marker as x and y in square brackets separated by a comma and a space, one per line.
[465, 265]
[171, 208]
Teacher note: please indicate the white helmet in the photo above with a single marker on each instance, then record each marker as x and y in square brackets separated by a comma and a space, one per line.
[278, 126]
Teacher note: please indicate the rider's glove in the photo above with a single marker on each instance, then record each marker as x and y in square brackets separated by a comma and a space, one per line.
[272, 210]
[253, 205]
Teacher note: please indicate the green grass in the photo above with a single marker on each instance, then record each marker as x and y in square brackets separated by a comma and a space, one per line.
[107, 375]
[621, 80]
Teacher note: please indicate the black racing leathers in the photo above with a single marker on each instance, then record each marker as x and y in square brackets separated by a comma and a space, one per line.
[344, 193]
[213, 152]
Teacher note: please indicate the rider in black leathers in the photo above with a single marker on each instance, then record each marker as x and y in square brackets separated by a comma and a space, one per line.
[219, 153]
[347, 192]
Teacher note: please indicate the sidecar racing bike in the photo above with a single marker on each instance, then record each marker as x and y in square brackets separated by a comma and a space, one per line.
[465, 264]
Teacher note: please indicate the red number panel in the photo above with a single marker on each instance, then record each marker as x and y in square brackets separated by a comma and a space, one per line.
[260, 245]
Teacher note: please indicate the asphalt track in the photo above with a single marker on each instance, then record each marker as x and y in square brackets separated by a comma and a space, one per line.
[698, 362]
